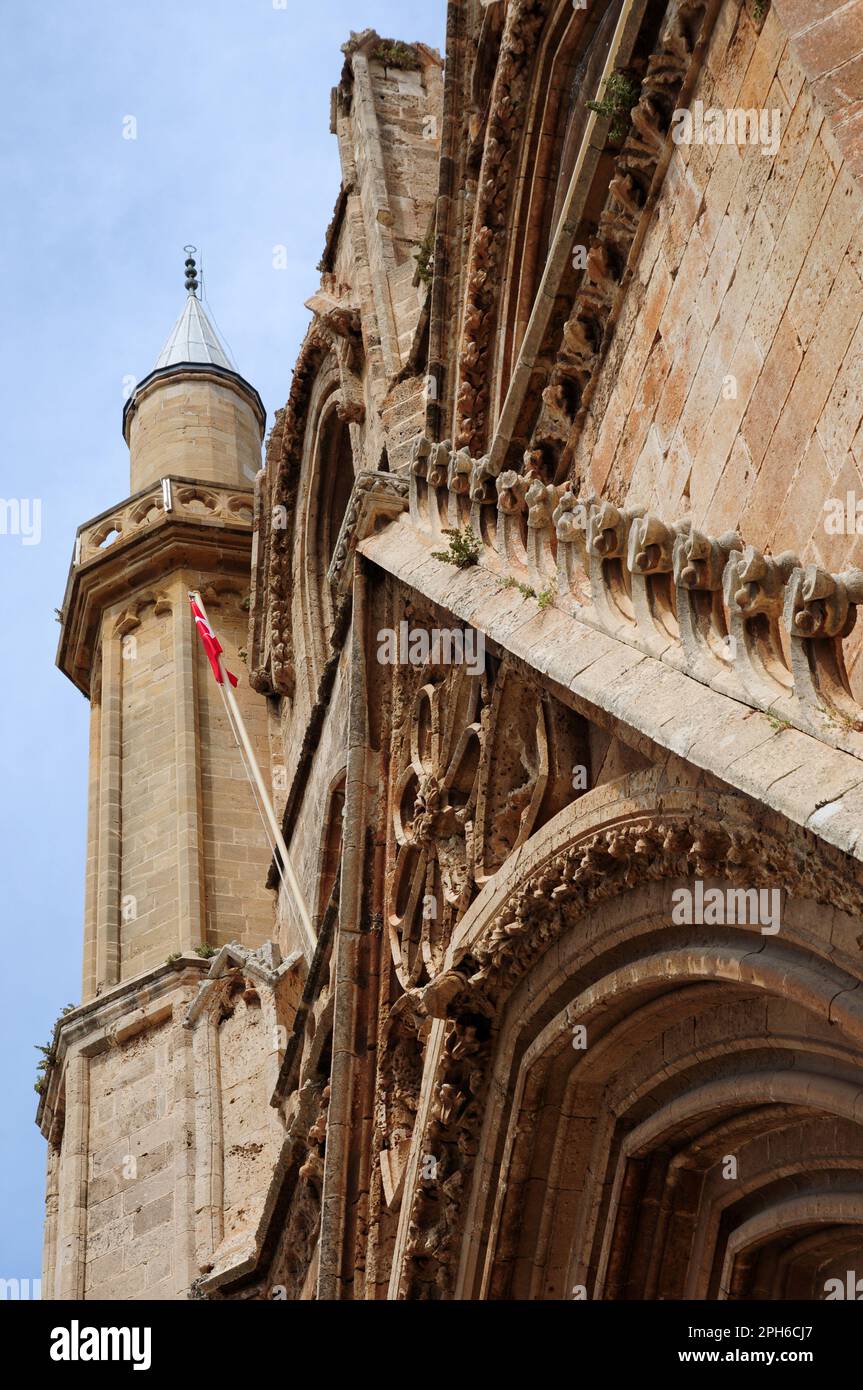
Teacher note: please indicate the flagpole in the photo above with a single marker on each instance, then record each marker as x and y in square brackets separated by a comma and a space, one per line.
[287, 871]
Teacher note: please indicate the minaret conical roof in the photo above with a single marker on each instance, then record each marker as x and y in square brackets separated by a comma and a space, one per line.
[193, 349]
[194, 339]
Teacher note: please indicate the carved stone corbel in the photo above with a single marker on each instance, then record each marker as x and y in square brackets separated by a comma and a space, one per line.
[418, 480]
[482, 481]
[437, 493]
[820, 610]
[699, 564]
[607, 541]
[754, 590]
[541, 501]
[433, 468]
[569, 519]
[459, 469]
[438, 464]
[459, 472]
[512, 517]
[650, 563]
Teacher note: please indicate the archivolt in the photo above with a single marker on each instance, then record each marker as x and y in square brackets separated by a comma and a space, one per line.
[721, 1076]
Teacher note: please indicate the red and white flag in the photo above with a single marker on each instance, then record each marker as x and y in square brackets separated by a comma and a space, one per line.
[212, 645]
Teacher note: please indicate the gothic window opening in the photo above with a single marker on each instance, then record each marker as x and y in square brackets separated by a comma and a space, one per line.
[336, 479]
[569, 78]
[331, 480]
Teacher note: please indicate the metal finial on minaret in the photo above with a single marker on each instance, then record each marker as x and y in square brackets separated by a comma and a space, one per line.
[191, 270]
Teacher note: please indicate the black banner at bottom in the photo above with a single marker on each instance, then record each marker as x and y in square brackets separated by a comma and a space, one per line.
[86, 1339]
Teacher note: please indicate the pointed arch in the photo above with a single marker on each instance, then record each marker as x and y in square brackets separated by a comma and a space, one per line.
[621, 1104]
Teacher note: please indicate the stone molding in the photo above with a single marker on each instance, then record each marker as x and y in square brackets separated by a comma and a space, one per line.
[524, 21]
[638, 168]
[577, 861]
[334, 333]
[192, 371]
[376, 498]
[761, 628]
[638, 172]
[114, 1016]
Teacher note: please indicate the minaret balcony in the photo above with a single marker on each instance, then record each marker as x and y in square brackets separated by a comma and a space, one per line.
[172, 524]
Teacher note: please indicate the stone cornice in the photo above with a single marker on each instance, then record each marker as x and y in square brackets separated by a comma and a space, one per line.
[598, 661]
[185, 371]
[111, 1018]
[761, 628]
[158, 529]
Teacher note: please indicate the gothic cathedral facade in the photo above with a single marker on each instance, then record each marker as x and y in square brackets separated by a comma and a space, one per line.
[543, 606]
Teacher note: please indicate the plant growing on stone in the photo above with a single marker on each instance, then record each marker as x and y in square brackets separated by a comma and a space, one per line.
[424, 257]
[49, 1056]
[207, 952]
[843, 720]
[394, 54]
[621, 94]
[463, 548]
[45, 1061]
[545, 597]
[524, 589]
[776, 723]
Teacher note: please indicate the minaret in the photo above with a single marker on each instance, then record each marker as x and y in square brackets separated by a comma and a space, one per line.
[172, 823]
[177, 857]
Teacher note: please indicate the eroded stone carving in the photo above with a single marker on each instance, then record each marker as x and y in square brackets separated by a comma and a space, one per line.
[524, 19]
[587, 325]
[755, 625]
[375, 497]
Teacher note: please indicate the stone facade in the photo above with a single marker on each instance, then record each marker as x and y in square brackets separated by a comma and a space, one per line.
[552, 661]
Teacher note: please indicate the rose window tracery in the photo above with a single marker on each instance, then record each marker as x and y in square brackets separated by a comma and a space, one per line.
[483, 762]
[433, 821]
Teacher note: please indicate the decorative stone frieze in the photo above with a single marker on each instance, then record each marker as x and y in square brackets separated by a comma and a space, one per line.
[195, 524]
[759, 627]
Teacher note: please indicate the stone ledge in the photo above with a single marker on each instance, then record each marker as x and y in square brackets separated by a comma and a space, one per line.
[114, 1016]
[190, 524]
[815, 786]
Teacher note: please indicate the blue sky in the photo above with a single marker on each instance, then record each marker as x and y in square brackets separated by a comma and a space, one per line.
[233, 154]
